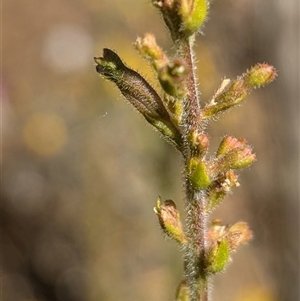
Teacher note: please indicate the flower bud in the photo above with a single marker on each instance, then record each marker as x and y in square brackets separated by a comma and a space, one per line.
[172, 76]
[260, 74]
[222, 241]
[199, 174]
[231, 93]
[183, 17]
[147, 47]
[199, 143]
[220, 188]
[138, 92]
[240, 158]
[233, 154]
[218, 257]
[169, 220]
[193, 14]
[171, 73]
[238, 234]
[227, 96]
[229, 143]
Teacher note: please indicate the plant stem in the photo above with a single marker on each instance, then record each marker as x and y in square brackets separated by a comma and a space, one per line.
[193, 102]
[196, 219]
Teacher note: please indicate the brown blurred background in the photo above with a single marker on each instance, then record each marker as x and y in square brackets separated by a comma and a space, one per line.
[81, 170]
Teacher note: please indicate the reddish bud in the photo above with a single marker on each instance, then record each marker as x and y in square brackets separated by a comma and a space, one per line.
[260, 75]
[233, 154]
[147, 47]
[199, 143]
[228, 143]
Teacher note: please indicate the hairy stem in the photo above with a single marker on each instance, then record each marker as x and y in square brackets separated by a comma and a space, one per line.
[196, 220]
[192, 101]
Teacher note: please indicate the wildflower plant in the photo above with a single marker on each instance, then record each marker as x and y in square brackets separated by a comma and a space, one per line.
[177, 114]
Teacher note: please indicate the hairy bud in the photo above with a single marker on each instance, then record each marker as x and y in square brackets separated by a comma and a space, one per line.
[169, 220]
[138, 92]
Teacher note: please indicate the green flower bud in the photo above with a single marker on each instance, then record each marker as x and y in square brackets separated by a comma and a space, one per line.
[193, 14]
[169, 220]
[224, 240]
[233, 154]
[218, 257]
[199, 174]
[260, 75]
[172, 76]
[183, 17]
[240, 158]
[148, 48]
[231, 93]
[220, 188]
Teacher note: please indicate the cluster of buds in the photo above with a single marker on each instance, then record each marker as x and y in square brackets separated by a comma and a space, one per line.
[168, 112]
[183, 17]
[171, 74]
[177, 115]
[222, 241]
[165, 113]
[217, 175]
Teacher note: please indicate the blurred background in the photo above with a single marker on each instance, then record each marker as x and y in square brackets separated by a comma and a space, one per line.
[81, 170]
